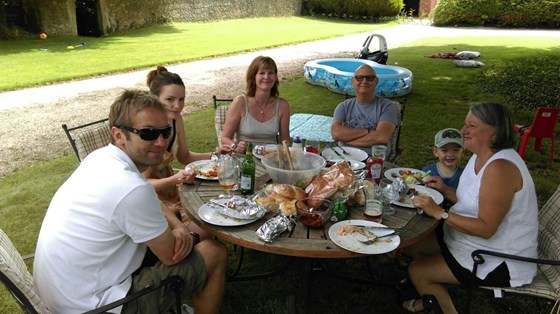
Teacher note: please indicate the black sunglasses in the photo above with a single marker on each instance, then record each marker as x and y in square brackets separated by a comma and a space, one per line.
[149, 134]
[451, 134]
[369, 78]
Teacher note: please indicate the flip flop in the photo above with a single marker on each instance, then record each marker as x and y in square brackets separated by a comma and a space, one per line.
[410, 306]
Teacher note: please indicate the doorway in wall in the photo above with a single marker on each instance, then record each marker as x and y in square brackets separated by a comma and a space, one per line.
[87, 18]
[412, 6]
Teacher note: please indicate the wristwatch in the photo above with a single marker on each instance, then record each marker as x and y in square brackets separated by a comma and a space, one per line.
[196, 237]
[444, 215]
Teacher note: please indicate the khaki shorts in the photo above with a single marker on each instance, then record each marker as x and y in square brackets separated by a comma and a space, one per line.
[191, 269]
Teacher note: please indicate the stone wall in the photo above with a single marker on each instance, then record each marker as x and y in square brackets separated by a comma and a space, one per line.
[197, 10]
[58, 17]
[55, 16]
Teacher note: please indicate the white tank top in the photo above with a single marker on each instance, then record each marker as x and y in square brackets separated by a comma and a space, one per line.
[256, 132]
[517, 234]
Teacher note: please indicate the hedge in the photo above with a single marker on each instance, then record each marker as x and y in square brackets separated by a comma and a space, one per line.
[498, 13]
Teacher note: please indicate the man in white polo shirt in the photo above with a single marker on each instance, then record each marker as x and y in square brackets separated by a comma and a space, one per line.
[101, 221]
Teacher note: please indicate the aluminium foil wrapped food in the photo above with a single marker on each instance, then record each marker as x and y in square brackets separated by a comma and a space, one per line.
[240, 208]
[274, 227]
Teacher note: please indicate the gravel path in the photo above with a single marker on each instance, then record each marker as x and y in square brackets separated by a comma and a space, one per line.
[32, 118]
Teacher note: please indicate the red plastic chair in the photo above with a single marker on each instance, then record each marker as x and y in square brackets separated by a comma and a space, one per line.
[543, 126]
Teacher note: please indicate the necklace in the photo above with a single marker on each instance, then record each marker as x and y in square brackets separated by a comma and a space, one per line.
[262, 106]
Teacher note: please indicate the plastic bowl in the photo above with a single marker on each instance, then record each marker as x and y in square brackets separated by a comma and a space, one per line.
[315, 217]
[307, 166]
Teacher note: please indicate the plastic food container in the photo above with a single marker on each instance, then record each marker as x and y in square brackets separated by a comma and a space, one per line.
[307, 166]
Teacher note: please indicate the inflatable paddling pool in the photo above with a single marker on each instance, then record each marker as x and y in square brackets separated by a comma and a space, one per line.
[336, 75]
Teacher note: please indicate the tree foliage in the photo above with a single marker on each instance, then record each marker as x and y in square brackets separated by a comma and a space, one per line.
[498, 13]
[357, 9]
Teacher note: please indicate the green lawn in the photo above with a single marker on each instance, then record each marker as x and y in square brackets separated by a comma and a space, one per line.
[439, 98]
[33, 61]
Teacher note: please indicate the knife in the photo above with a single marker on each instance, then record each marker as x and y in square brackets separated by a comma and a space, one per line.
[215, 202]
[336, 152]
[378, 228]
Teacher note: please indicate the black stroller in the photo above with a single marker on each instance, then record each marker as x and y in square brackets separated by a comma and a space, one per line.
[380, 56]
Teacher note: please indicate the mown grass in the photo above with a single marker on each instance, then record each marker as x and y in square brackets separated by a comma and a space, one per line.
[31, 61]
[439, 98]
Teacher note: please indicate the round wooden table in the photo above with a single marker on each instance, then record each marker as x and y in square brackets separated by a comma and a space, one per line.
[301, 241]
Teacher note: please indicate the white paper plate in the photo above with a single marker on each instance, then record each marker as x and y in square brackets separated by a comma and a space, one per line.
[393, 173]
[350, 243]
[203, 165]
[212, 216]
[353, 153]
[436, 196]
[354, 164]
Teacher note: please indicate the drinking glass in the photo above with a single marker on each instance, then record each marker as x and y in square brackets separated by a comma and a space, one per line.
[312, 146]
[228, 173]
[389, 194]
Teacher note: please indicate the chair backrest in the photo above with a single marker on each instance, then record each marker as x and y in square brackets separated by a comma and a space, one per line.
[88, 137]
[544, 122]
[221, 107]
[15, 276]
[549, 238]
[394, 142]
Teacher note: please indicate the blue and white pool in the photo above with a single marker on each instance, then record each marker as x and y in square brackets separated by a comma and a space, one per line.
[336, 75]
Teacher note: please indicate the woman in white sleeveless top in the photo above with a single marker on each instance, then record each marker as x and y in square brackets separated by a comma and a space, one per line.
[495, 209]
[259, 116]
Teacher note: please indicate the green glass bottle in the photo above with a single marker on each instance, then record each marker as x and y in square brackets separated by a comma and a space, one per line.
[248, 172]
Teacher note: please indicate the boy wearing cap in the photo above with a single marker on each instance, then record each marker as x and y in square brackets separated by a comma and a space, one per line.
[448, 148]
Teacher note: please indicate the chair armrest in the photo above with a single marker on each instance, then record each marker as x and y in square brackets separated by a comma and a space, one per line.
[175, 284]
[478, 259]
[520, 128]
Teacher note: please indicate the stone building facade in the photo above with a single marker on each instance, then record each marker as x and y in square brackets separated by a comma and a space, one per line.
[59, 17]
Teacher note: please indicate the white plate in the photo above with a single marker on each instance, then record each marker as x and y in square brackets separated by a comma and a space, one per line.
[353, 153]
[212, 216]
[267, 148]
[393, 173]
[202, 165]
[354, 164]
[438, 198]
[349, 243]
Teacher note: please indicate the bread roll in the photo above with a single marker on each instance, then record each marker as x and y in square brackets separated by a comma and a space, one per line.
[360, 197]
[288, 208]
[289, 191]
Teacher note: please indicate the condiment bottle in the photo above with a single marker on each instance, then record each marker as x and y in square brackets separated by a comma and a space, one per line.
[340, 211]
[248, 172]
[297, 146]
[374, 164]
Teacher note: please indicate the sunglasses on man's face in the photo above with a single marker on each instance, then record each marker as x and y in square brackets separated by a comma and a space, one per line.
[451, 134]
[149, 134]
[369, 78]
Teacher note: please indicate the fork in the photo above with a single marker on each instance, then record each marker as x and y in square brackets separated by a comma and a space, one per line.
[343, 151]
[335, 151]
[369, 240]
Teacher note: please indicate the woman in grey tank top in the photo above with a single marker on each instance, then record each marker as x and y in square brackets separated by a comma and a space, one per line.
[259, 115]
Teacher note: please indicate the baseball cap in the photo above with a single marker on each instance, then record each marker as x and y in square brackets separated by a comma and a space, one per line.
[446, 136]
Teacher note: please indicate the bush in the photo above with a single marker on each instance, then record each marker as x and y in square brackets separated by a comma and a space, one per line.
[499, 13]
[357, 9]
[526, 83]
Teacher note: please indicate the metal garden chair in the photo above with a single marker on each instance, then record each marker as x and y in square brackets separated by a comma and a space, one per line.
[88, 137]
[19, 282]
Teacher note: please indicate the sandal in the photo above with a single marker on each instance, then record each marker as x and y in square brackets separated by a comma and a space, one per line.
[410, 305]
